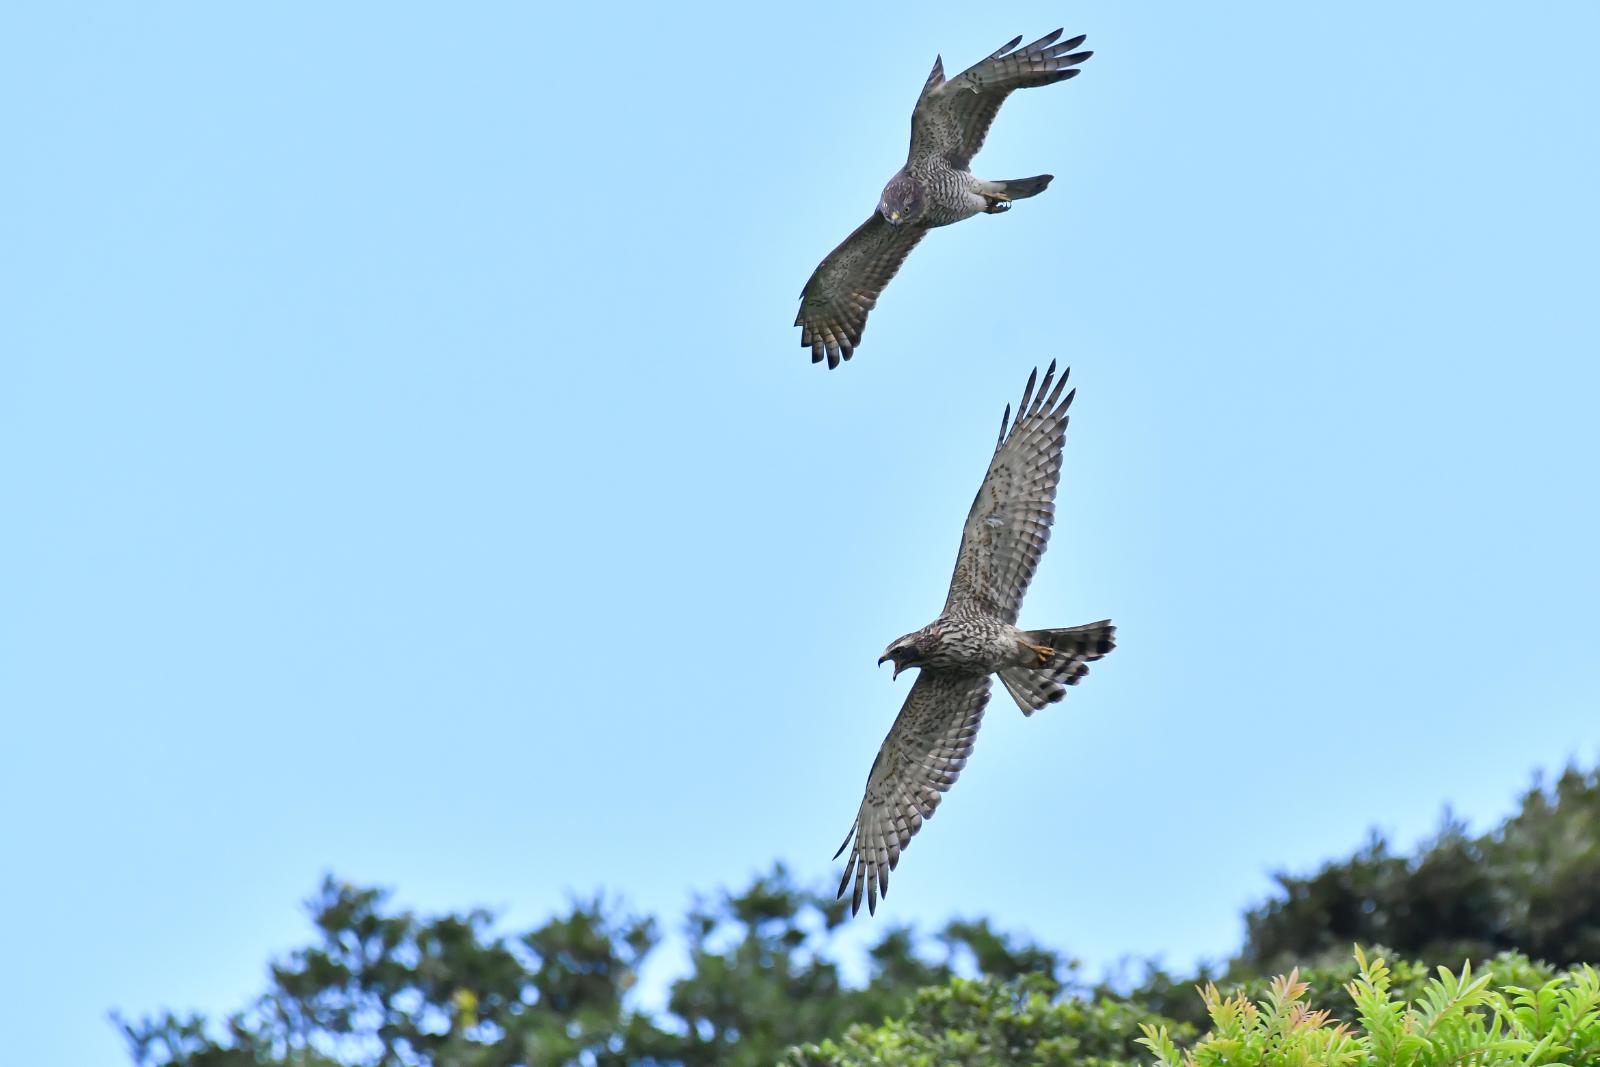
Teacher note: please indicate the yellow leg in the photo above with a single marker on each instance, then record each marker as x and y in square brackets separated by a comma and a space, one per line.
[1044, 652]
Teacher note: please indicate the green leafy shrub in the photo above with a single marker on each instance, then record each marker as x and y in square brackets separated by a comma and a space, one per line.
[1514, 1012]
[991, 1022]
[1455, 1019]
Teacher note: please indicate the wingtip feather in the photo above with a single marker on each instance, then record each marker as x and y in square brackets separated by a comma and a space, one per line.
[847, 839]
[1027, 393]
[1044, 388]
[1065, 374]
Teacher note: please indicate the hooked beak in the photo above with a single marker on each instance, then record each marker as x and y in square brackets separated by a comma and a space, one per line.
[894, 216]
[884, 659]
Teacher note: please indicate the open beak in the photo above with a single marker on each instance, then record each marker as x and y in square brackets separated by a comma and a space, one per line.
[884, 659]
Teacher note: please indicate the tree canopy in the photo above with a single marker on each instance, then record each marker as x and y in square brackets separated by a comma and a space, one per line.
[379, 986]
[1528, 885]
[385, 987]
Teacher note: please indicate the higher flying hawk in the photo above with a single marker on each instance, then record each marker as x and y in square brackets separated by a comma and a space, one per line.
[934, 188]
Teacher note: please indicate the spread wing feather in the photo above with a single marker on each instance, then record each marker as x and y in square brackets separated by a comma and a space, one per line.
[846, 284]
[921, 758]
[956, 114]
[1009, 523]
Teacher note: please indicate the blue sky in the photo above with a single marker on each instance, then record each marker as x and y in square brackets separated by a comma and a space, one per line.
[411, 471]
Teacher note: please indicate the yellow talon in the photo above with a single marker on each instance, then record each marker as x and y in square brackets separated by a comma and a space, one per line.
[1044, 652]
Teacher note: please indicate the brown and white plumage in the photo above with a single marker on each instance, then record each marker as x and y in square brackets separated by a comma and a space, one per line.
[845, 286]
[1009, 523]
[920, 759]
[934, 188]
[974, 637]
[953, 117]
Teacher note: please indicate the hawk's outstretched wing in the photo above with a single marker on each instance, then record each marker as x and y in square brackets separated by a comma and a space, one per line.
[846, 284]
[953, 116]
[926, 748]
[1009, 523]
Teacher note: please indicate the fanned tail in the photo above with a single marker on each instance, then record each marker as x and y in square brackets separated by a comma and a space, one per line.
[1075, 648]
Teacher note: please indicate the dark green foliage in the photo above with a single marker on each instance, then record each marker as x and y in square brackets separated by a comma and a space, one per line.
[1528, 885]
[388, 988]
[994, 1023]
[392, 988]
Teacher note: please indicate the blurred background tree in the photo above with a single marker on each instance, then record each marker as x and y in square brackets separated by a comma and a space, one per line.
[384, 987]
[1529, 885]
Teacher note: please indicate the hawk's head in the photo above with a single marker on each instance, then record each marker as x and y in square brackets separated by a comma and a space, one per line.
[905, 652]
[902, 200]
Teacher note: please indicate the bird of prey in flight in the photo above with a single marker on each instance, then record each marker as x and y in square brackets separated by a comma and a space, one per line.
[934, 188]
[974, 637]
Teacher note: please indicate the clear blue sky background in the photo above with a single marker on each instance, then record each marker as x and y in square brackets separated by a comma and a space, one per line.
[410, 470]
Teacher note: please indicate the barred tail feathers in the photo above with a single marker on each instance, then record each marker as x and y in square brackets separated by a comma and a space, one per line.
[1075, 648]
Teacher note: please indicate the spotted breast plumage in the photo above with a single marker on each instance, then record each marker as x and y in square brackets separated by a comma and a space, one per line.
[974, 637]
[934, 188]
